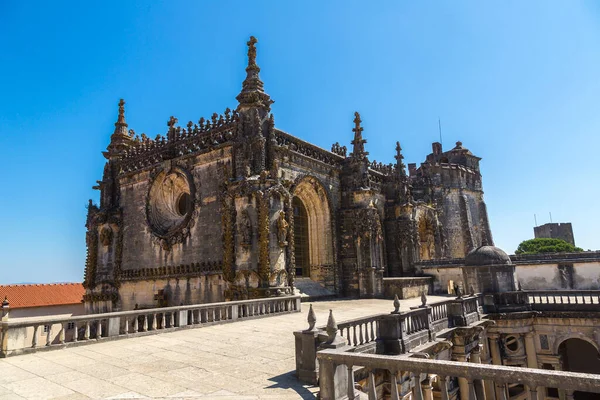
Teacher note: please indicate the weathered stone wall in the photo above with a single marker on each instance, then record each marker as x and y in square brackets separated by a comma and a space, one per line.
[175, 291]
[141, 248]
[406, 288]
[560, 275]
[444, 278]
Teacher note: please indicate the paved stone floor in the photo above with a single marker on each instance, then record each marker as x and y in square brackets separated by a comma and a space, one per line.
[251, 359]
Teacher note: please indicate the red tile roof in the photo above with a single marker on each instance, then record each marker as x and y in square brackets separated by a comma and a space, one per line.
[41, 295]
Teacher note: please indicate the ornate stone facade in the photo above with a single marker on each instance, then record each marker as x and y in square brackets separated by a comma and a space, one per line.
[207, 212]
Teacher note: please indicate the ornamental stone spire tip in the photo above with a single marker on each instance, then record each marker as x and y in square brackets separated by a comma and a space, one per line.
[253, 94]
[358, 149]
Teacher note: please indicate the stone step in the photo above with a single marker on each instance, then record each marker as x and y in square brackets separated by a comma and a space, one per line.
[311, 290]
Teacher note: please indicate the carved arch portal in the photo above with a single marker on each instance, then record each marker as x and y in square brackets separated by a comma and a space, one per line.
[319, 241]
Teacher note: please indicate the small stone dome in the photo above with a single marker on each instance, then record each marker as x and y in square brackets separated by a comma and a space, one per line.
[487, 255]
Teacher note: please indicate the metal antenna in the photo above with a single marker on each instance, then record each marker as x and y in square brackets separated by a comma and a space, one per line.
[535, 219]
[550, 216]
[440, 129]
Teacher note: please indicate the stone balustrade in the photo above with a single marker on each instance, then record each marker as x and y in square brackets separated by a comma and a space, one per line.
[564, 300]
[337, 366]
[30, 335]
[397, 332]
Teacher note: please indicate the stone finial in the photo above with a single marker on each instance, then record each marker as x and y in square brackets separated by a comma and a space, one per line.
[358, 149]
[332, 328]
[252, 51]
[396, 305]
[471, 290]
[519, 288]
[423, 299]
[400, 167]
[252, 94]
[312, 319]
[5, 303]
[120, 139]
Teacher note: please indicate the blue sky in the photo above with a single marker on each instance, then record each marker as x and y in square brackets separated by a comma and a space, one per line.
[517, 82]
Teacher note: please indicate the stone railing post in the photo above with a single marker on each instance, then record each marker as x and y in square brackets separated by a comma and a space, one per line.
[390, 339]
[4, 328]
[114, 326]
[333, 378]
[5, 309]
[307, 343]
[456, 312]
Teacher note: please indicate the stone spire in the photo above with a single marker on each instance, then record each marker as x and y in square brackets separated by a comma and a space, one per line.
[358, 149]
[400, 167]
[120, 139]
[253, 94]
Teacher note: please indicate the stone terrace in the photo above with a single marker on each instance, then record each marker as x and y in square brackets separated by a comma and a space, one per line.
[252, 359]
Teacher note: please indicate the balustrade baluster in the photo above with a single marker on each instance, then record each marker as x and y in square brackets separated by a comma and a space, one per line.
[153, 322]
[350, 391]
[61, 335]
[86, 334]
[75, 332]
[360, 333]
[145, 322]
[49, 335]
[99, 330]
[135, 324]
[417, 390]
[372, 331]
[163, 321]
[395, 394]
[35, 336]
[372, 389]
[472, 395]
[355, 341]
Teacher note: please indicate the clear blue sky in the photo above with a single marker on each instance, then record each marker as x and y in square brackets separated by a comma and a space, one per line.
[517, 82]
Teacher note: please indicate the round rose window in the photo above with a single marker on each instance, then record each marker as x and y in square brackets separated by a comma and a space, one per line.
[170, 203]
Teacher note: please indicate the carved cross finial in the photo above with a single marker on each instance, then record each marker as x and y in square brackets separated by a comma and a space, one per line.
[312, 319]
[396, 305]
[121, 110]
[252, 51]
[332, 328]
[172, 122]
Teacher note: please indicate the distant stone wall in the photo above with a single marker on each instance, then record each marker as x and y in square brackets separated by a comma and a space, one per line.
[444, 277]
[406, 288]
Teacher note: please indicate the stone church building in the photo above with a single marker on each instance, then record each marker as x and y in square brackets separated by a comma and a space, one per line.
[230, 207]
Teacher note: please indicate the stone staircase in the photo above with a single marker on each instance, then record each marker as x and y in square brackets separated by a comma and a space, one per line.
[310, 290]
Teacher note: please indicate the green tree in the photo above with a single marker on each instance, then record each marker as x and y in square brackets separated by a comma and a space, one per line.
[546, 245]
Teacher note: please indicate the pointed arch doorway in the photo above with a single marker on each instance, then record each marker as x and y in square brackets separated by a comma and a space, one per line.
[313, 238]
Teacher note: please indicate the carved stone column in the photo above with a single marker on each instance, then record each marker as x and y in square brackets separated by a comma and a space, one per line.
[500, 388]
[532, 360]
[478, 383]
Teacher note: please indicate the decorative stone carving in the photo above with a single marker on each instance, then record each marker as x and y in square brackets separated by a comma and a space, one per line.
[245, 230]
[282, 229]
[106, 236]
[171, 206]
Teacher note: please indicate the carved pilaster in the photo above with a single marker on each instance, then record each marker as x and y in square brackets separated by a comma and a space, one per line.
[264, 269]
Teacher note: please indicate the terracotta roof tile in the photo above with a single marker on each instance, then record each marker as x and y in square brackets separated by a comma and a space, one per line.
[40, 295]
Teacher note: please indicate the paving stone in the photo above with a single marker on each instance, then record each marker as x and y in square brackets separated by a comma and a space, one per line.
[38, 388]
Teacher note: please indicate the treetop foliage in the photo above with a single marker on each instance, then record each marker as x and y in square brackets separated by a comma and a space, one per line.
[546, 245]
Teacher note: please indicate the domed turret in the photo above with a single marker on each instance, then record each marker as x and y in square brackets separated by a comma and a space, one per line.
[488, 269]
[487, 255]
